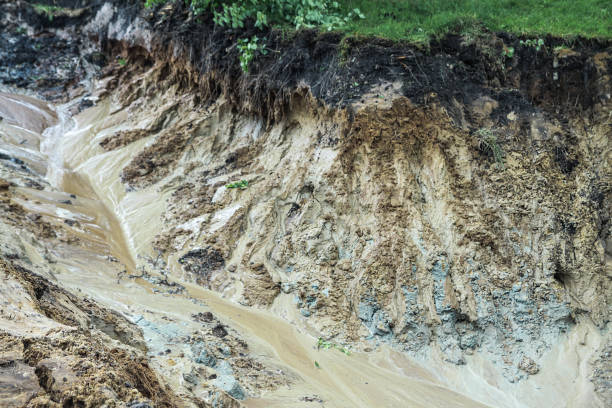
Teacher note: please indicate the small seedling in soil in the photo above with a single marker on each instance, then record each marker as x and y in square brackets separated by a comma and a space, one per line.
[47, 10]
[317, 364]
[122, 62]
[242, 184]
[247, 49]
[537, 44]
[508, 52]
[326, 345]
[488, 142]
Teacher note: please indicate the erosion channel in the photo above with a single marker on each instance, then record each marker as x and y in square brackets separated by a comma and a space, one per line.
[388, 228]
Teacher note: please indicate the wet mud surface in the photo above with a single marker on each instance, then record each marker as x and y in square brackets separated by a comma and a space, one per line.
[440, 215]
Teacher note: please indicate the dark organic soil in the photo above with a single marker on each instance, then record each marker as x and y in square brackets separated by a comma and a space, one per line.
[338, 71]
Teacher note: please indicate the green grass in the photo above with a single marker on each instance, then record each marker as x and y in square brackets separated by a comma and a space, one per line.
[49, 10]
[420, 20]
[488, 142]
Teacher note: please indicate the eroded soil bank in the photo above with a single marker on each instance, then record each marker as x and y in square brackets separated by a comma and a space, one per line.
[442, 214]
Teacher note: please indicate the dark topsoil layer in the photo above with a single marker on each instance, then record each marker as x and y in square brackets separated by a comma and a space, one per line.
[336, 70]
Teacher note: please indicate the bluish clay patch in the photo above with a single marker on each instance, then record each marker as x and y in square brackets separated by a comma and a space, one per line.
[229, 384]
[224, 368]
[374, 318]
[203, 356]
[159, 336]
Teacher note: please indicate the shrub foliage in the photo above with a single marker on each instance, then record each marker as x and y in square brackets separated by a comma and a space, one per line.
[293, 13]
[296, 13]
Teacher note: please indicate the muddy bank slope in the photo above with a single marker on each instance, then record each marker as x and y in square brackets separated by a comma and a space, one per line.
[452, 204]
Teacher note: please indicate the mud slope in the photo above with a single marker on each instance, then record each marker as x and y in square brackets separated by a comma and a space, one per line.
[443, 214]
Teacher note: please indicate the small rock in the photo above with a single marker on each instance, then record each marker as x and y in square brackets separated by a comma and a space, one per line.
[529, 366]
[287, 287]
[229, 384]
[206, 317]
[33, 217]
[219, 331]
[140, 405]
[191, 378]
[314, 398]
[224, 368]
[206, 358]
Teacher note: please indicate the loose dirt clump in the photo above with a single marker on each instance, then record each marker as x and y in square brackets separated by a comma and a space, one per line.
[64, 307]
[74, 363]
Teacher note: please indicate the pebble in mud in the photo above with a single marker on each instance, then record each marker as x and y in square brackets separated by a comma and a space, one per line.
[230, 385]
[206, 358]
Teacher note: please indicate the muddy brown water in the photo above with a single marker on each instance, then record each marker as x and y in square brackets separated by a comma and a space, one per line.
[85, 187]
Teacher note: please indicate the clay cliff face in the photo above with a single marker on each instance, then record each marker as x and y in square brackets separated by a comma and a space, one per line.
[451, 206]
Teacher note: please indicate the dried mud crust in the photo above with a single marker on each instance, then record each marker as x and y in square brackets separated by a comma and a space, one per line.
[60, 305]
[74, 364]
[16, 215]
[602, 374]
[74, 368]
[219, 351]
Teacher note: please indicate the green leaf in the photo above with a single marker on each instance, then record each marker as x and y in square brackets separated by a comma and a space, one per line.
[242, 184]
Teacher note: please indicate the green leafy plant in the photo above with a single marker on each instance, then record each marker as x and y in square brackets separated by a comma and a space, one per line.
[537, 44]
[248, 48]
[298, 14]
[48, 10]
[487, 142]
[152, 3]
[326, 345]
[242, 184]
[122, 61]
[317, 364]
[508, 52]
